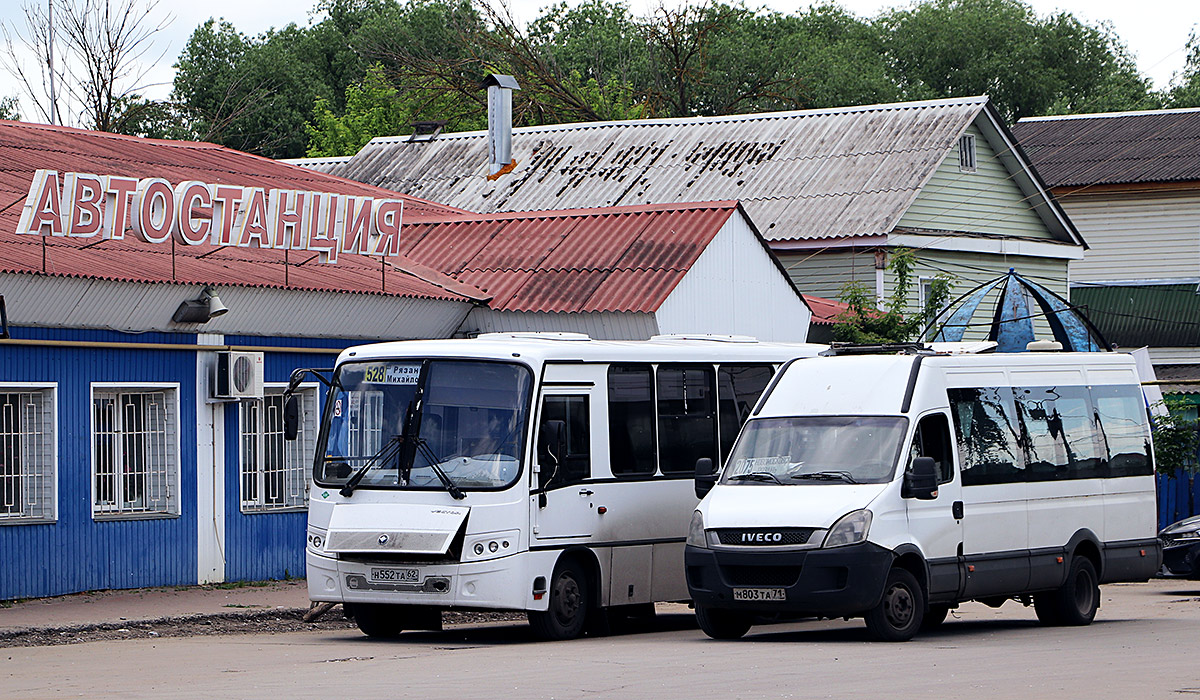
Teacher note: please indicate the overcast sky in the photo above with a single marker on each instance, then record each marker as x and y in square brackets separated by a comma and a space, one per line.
[1154, 30]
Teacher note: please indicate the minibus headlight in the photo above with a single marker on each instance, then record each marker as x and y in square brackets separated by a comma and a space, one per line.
[695, 535]
[851, 528]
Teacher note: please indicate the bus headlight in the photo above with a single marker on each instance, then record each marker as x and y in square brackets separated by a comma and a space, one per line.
[851, 528]
[695, 536]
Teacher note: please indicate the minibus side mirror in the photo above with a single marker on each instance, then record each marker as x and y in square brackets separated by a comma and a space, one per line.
[552, 449]
[705, 476]
[291, 417]
[921, 480]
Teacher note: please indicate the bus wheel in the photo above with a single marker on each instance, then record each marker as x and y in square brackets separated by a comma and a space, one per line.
[722, 624]
[1076, 601]
[379, 621]
[900, 612]
[569, 603]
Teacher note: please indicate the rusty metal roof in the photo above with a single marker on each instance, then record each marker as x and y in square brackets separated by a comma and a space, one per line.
[1116, 148]
[805, 174]
[614, 259]
[26, 147]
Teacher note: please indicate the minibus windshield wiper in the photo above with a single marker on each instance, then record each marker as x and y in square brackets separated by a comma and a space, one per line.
[434, 461]
[389, 450]
[756, 476]
[826, 476]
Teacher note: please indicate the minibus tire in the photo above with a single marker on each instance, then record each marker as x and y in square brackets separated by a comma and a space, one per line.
[899, 614]
[1078, 599]
[379, 621]
[722, 624]
[570, 600]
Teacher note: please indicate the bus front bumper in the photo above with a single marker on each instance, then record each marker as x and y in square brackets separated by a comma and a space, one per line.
[844, 581]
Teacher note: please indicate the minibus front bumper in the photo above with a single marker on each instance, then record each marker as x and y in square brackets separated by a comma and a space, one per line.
[812, 582]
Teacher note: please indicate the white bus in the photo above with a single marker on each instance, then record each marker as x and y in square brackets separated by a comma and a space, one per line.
[896, 487]
[548, 473]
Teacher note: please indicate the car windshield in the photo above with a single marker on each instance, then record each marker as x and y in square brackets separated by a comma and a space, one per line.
[817, 450]
[469, 422]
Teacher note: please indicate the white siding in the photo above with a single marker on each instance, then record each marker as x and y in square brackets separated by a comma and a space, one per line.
[735, 288]
[1136, 236]
[601, 326]
[986, 201]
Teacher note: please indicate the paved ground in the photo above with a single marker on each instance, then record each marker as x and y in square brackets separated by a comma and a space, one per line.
[1143, 645]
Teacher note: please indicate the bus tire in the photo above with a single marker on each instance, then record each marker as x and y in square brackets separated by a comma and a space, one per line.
[901, 610]
[722, 624]
[1075, 603]
[379, 621]
[570, 600]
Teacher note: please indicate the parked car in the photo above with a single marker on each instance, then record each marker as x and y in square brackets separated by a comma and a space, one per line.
[1181, 548]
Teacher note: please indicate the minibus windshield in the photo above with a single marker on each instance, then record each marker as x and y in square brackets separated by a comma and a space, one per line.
[817, 450]
[465, 418]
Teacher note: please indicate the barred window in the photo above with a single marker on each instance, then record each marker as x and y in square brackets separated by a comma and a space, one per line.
[27, 454]
[274, 471]
[135, 451]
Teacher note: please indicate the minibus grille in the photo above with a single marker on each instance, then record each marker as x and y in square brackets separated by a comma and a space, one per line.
[760, 575]
[765, 537]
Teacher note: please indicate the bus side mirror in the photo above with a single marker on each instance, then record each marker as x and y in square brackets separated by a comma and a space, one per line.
[705, 476]
[291, 417]
[552, 448]
[921, 481]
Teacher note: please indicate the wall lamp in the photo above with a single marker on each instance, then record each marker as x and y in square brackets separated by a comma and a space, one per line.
[201, 310]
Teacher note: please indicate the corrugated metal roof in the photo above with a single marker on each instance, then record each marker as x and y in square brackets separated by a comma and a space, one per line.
[26, 147]
[1133, 316]
[807, 174]
[623, 259]
[1118, 148]
[1190, 373]
[824, 311]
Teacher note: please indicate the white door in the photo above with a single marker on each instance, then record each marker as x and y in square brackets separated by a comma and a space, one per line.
[563, 502]
[936, 525]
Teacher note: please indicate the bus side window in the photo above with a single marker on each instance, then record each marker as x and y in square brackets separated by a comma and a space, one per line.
[687, 417]
[576, 464]
[932, 439]
[631, 435]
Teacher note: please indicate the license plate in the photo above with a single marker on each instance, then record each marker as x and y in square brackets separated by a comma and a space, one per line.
[757, 594]
[396, 575]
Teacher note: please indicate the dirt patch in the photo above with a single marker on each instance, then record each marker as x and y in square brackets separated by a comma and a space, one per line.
[256, 622]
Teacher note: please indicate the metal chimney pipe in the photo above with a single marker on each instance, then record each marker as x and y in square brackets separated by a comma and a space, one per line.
[500, 89]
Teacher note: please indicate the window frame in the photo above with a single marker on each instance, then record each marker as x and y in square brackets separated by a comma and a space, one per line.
[968, 154]
[307, 391]
[50, 512]
[174, 476]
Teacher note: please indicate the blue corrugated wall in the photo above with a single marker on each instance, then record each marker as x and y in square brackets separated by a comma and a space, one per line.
[77, 553]
[1178, 497]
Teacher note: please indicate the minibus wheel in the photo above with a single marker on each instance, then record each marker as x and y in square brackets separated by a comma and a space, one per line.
[569, 603]
[900, 611]
[722, 624]
[1075, 602]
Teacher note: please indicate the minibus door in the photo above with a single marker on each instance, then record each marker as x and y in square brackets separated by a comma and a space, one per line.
[561, 500]
[936, 525]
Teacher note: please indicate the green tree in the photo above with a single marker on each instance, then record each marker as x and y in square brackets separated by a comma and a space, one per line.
[1028, 65]
[1185, 85]
[865, 323]
[1176, 437]
[10, 109]
[373, 108]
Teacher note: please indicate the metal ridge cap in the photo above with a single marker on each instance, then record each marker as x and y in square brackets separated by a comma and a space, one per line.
[1110, 115]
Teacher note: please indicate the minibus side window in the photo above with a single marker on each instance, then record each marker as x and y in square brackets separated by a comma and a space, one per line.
[738, 389]
[1120, 413]
[1058, 433]
[687, 417]
[573, 411]
[932, 439]
[988, 446]
[631, 438]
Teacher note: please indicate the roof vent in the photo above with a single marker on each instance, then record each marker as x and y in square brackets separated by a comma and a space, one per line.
[499, 91]
[1044, 346]
[426, 131]
[533, 335]
[707, 336]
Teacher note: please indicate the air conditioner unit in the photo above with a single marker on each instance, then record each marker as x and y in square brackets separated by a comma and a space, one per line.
[239, 375]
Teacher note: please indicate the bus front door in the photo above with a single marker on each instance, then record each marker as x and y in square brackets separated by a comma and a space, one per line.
[563, 503]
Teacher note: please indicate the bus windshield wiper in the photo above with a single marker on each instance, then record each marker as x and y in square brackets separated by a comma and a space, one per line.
[831, 475]
[434, 461]
[756, 476]
[389, 450]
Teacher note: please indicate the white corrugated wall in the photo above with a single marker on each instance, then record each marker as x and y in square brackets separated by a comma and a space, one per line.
[1136, 237]
[736, 288]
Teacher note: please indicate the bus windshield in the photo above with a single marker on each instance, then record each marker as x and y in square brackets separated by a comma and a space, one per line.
[817, 449]
[466, 419]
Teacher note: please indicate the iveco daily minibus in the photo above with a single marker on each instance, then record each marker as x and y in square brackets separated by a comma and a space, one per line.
[894, 487]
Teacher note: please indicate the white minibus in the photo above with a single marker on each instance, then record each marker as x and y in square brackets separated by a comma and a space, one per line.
[895, 486]
[547, 473]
